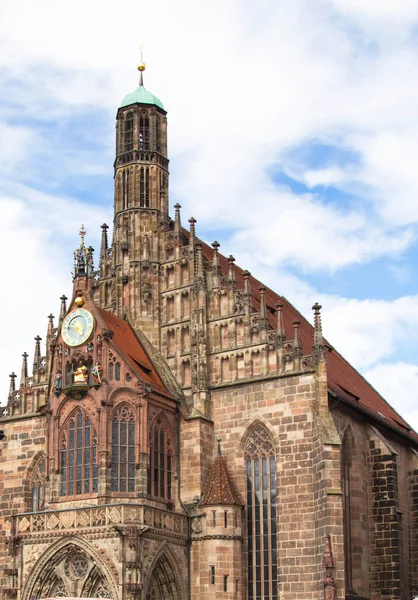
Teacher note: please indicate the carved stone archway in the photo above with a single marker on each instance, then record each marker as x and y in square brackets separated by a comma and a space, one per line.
[69, 570]
[163, 582]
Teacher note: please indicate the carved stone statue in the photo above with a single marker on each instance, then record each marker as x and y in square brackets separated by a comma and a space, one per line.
[81, 374]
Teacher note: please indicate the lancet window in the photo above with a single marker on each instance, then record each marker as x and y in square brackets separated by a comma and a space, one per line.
[160, 464]
[144, 133]
[125, 189]
[123, 450]
[38, 485]
[144, 187]
[79, 470]
[129, 132]
[261, 515]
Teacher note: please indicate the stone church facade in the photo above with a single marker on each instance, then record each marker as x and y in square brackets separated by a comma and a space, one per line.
[184, 433]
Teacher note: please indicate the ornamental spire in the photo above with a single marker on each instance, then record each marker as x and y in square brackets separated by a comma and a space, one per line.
[177, 220]
[141, 68]
[63, 309]
[104, 244]
[37, 353]
[318, 342]
[24, 373]
[12, 387]
[83, 258]
[280, 333]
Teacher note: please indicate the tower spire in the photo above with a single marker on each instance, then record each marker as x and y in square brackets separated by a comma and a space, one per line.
[141, 68]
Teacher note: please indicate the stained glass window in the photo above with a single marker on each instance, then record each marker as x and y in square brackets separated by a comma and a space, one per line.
[161, 463]
[261, 515]
[123, 450]
[79, 472]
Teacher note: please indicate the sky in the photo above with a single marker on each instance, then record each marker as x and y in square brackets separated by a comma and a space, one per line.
[293, 140]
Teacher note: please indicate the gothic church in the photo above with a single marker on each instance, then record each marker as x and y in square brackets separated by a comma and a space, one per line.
[184, 433]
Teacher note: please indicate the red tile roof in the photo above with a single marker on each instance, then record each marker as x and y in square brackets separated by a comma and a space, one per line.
[126, 341]
[343, 379]
[219, 488]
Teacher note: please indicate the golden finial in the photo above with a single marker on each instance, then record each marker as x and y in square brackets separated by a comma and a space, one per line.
[82, 233]
[142, 66]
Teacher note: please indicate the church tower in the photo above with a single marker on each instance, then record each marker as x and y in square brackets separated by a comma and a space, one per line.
[129, 270]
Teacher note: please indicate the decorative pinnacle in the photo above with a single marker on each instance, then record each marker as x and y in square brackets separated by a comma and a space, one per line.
[177, 219]
[141, 68]
[24, 369]
[231, 272]
[281, 336]
[263, 307]
[63, 309]
[12, 383]
[297, 344]
[318, 342]
[104, 244]
[218, 439]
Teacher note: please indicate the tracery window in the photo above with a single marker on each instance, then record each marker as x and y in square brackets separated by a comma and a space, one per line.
[261, 515]
[38, 485]
[144, 133]
[123, 450]
[160, 464]
[129, 132]
[125, 189]
[79, 470]
[144, 187]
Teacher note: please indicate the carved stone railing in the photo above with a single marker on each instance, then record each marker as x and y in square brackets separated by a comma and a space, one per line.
[98, 517]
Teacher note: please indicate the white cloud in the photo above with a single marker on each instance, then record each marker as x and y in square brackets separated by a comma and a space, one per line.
[398, 382]
[244, 83]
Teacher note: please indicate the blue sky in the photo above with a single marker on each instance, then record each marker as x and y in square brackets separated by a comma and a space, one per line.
[293, 136]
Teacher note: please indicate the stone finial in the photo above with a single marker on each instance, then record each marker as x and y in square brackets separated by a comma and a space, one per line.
[177, 219]
[63, 309]
[12, 387]
[297, 344]
[24, 372]
[199, 261]
[104, 243]
[318, 341]
[231, 270]
[263, 306]
[37, 353]
[192, 237]
[280, 332]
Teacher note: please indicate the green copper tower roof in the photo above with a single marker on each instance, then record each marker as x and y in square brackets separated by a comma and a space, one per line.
[141, 95]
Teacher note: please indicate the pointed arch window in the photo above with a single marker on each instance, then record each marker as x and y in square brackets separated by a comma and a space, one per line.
[38, 485]
[144, 187]
[261, 515]
[160, 463]
[125, 188]
[144, 133]
[129, 132]
[79, 470]
[346, 488]
[123, 450]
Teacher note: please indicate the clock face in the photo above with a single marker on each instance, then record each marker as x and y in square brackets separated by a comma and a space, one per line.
[77, 327]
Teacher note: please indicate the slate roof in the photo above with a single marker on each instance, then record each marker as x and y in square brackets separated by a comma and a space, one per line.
[343, 379]
[219, 488]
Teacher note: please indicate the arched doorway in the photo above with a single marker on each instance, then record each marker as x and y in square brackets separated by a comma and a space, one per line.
[68, 571]
[163, 583]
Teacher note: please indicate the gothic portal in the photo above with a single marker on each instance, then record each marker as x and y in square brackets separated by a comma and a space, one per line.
[184, 433]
